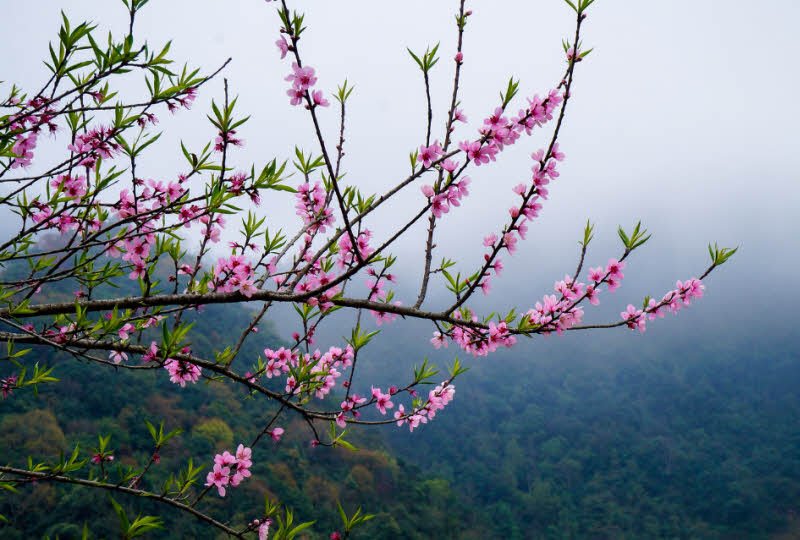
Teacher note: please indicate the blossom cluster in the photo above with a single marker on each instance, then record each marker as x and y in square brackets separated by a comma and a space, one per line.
[8, 385]
[675, 300]
[382, 401]
[448, 197]
[73, 187]
[316, 279]
[428, 154]
[101, 457]
[311, 205]
[475, 340]
[95, 144]
[229, 469]
[28, 126]
[24, 145]
[350, 405]
[181, 371]
[212, 227]
[236, 185]
[137, 251]
[263, 528]
[557, 313]
[438, 398]
[185, 99]
[348, 255]
[150, 200]
[303, 79]
[278, 362]
[544, 170]
[225, 138]
[323, 368]
[233, 273]
[377, 293]
[499, 131]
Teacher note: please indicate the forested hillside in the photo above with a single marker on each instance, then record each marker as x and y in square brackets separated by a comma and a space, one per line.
[213, 417]
[678, 434]
[608, 442]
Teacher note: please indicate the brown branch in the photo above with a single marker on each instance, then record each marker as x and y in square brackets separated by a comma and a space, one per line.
[46, 477]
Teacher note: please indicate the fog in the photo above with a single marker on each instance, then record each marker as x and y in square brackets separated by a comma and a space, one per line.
[683, 116]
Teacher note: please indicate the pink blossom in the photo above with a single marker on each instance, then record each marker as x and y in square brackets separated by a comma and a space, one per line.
[478, 153]
[8, 385]
[95, 144]
[125, 330]
[438, 340]
[225, 459]
[399, 414]
[73, 187]
[283, 46]
[296, 95]
[449, 165]
[382, 401]
[181, 372]
[319, 99]
[99, 458]
[429, 154]
[439, 206]
[23, 149]
[596, 274]
[496, 120]
[139, 270]
[556, 154]
[302, 78]
[615, 268]
[634, 318]
[117, 356]
[247, 288]
[219, 477]
[385, 316]
[151, 355]
[243, 456]
[263, 529]
[591, 295]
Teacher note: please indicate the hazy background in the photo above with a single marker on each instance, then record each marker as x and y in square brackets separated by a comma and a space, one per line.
[684, 116]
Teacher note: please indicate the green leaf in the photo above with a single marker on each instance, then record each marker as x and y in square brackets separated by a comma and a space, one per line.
[720, 256]
[624, 237]
[123, 518]
[588, 233]
[416, 58]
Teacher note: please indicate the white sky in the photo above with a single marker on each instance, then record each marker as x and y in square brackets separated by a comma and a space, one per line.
[684, 116]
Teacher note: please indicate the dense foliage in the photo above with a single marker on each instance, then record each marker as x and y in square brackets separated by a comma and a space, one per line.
[599, 440]
[615, 440]
[212, 417]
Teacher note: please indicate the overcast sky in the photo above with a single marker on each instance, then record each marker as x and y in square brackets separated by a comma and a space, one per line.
[684, 116]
